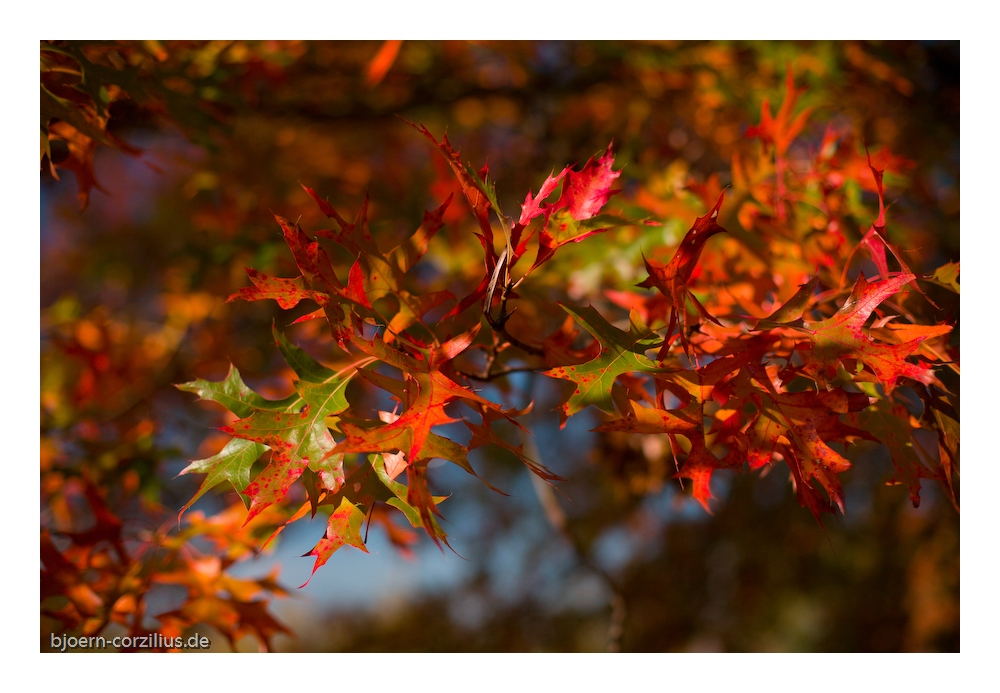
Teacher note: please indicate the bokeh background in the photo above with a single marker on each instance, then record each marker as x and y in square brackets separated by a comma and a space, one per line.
[133, 299]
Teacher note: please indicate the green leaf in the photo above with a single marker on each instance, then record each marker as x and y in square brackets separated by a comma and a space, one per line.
[621, 352]
[231, 464]
[794, 307]
[235, 395]
[294, 428]
[947, 276]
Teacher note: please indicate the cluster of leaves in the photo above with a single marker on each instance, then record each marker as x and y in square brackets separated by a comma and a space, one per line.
[755, 351]
[98, 568]
[120, 576]
[91, 92]
[123, 318]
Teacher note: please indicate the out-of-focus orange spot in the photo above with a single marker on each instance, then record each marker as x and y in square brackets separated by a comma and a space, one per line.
[123, 608]
[470, 113]
[383, 60]
[130, 481]
[184, 307]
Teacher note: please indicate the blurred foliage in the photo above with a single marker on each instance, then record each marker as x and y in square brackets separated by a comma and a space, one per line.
[195, 143]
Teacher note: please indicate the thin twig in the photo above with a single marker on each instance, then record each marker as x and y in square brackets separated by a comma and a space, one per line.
[493, 376]
[557, 518]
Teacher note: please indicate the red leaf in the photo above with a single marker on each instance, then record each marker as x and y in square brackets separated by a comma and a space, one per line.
[470, 187]
[842, 336]
[533, 207]
[782, 129]
[672, 279]
[344, 528]
[287, 292]
[355, 287]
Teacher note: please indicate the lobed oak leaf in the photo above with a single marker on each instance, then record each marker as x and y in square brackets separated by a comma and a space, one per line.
[231, 464]
[234, 394]
[574, 215]
[532, 207]
[314, 264]
[310, 258]
[699, 466]
[672, 279]
[692, 388]
[375, 275]
[294, 429]
[287, 292]
[483, 434]
[891, 425]
[343, 529]
[876, 240]
[809, 422]
[355, 237]
[842, 336]
[296, 440]
[586, 192]
[424, 394]
[621, 352]
[781, 129]
[475, 189]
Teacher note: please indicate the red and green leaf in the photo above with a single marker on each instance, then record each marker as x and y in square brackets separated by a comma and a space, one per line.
[621, 352]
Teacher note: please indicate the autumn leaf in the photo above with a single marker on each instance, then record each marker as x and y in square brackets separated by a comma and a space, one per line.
[842, 336]
[574, 215]
[672, 279]
[294, 429]
[811, 421]
[781, 129]
[621, 352]
[585, 192]
[376, 275]
[424, 393]
[343, 529]
[532, 206]
[317, 271]
[287, 292]
[947, 276]
[892, 425]
[876, 240]
[234, 394]
[484, 434]
[231, 464]
[693, 389]
[476, 189]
